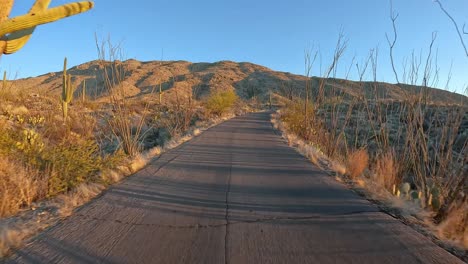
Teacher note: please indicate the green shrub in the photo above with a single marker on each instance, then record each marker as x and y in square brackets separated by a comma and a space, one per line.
[26, 145]
[70, 164]
[294, 117]
[219, 102]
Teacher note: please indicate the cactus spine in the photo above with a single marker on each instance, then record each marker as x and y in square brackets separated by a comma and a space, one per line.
[67, 90]
[19, 29]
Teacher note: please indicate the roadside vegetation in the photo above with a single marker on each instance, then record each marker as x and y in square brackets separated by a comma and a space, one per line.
[53, 152]
[57, 152]
[68, 158]
[411, 150]
[409, 154]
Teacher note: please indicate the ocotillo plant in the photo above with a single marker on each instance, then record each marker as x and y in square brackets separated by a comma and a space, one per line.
[83, 92]
[269, 100]
[160, 93]
[15, 32]
[67, 90]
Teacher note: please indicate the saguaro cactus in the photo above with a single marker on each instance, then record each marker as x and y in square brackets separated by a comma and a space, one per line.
[67, 90]
[15, 32]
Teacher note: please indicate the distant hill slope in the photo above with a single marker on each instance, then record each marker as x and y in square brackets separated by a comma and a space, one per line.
[246, 78]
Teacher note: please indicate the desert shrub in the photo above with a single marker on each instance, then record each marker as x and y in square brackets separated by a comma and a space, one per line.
[219, 102]
[177, 118]
[241, 107]
[386, 170]
[63, 166]
[128, 135]
[25, 145]
[19, 186]
[7, 141]
[294, 117]
[455, 225]
[83, 124]
[71, 163]
[357, 163]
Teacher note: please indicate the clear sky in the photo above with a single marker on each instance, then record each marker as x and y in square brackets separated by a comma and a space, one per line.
[272, 33]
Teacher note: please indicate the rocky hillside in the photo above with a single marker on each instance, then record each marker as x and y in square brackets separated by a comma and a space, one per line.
[249, 80]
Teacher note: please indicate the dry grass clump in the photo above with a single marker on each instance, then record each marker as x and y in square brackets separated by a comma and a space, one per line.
[78, 196]
[358, 161]
[386, 170]
[19, 186]
[11, 237]
[454, 227]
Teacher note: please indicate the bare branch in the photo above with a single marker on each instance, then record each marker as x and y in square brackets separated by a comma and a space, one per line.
[393, 17]
[435, 80]
[449, 77]
[308, 63]
[428, 71]
[405, 70]
[362, 71]
[456, 26]
[341, 46]
[350, 66]
[374, 60]
[427, 68]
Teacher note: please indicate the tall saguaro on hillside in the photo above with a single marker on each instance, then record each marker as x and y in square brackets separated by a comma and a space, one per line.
[15, 32]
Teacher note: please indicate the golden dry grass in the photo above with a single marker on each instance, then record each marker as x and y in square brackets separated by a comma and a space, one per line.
[357, 162]
[455, 226]
[19, 186]
[386, 170]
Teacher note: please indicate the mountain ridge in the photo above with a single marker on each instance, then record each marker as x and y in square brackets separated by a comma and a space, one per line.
[247, 79]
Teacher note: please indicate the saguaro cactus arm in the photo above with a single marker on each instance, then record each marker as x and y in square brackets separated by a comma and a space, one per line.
[16, 40]
[5, 9]
[38, 15]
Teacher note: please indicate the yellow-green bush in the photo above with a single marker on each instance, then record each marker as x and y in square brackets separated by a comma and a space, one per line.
[294, 117]
[219, 102]
[70, 164]
[64, 165]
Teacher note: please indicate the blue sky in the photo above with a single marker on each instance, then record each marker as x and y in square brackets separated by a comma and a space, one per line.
[270, 33]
